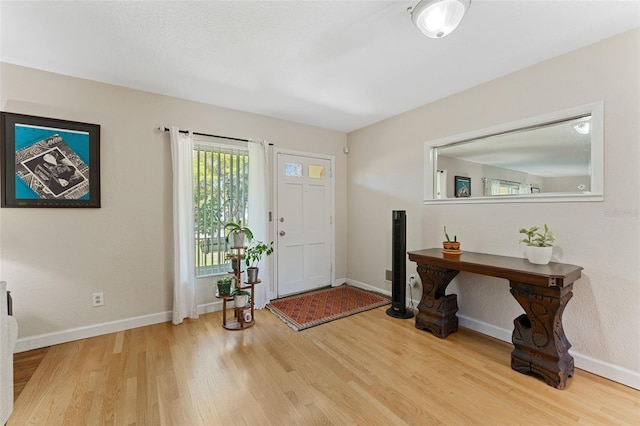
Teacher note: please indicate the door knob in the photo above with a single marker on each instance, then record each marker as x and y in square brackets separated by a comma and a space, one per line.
[282, 233]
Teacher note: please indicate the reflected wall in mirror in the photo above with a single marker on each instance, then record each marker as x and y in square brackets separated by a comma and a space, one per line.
[556, 157]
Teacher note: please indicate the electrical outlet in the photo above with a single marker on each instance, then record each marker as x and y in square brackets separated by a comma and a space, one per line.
[412, 281]
[97, 299]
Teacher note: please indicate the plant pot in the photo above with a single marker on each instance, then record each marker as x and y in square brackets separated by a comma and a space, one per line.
[234, 264]
[451, 245]
[252, 274]
[238, 239]
[224, 289]
[539, 255]
[240, 300]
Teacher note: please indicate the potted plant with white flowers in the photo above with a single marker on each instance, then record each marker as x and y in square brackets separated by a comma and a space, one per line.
[539, 243]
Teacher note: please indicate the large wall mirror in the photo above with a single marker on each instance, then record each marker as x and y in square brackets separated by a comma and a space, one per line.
[555, 157]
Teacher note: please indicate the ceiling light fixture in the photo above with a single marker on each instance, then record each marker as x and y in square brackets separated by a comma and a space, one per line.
[438, 18]
[582, 127]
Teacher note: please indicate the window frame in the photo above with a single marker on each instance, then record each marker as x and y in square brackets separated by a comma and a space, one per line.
[211, 236]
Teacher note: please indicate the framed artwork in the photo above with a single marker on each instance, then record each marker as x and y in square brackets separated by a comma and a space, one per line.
[462, 186]
[48, 162]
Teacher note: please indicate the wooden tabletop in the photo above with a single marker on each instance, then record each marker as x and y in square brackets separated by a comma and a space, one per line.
[510, 268]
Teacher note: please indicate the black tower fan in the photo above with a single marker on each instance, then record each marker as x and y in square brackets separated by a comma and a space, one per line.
[398, 307]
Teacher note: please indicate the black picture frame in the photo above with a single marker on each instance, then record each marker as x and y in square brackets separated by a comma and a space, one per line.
[48, 162]
[462, 186]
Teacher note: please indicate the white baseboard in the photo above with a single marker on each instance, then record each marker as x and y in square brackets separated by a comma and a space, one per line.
[368, 287]
[606, 370]
[43, 340]
[409, 301]
[338, 282]
[484, 328]
[207, 308]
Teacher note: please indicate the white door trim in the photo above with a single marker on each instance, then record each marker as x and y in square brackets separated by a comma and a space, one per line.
[274, 173]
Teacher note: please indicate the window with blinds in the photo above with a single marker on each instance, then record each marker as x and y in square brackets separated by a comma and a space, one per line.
[220, 194]
[505, 187]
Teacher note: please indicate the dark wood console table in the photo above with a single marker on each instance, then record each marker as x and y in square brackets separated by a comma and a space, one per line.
[543, 291]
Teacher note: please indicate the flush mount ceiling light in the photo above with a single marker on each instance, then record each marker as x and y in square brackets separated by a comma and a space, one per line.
[582, 127]
[438, 18]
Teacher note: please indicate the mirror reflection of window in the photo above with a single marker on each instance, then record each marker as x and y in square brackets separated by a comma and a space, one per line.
[493, 187]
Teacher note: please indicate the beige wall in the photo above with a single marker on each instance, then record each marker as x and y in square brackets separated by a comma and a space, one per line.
[386, 172]
[54, 259]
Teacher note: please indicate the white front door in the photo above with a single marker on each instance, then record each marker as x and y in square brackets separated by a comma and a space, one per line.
[304, 229]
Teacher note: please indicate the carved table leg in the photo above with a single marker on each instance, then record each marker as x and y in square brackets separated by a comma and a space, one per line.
[541, 346]
[437, 311]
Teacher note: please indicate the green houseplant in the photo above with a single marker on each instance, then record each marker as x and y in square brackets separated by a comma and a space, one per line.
[535, 238]
[238, 233]
[224, 286]
[450, 245]
[254, 255]
[233, 257]
[539, 242]
[240, 297]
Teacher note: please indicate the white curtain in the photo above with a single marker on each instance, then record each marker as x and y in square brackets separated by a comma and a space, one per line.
[259, 212]
[486, 186]
[184, 282]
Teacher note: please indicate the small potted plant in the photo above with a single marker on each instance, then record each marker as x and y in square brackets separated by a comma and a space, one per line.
[450, 245]
[240, 297]
[233, 257]
[539, 244]
[238, 233]
[253, 256]
[224, 286]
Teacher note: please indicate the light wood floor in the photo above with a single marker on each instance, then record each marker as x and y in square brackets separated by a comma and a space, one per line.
[24, 365]
[367, 369]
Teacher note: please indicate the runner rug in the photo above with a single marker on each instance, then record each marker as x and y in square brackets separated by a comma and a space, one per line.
[321, 306]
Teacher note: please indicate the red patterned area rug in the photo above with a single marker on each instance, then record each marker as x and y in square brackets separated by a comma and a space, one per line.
[321, 306]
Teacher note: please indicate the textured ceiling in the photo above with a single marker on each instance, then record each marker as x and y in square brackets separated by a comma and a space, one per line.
[334, 64]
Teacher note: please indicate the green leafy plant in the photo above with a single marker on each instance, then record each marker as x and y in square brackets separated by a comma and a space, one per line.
[536, 237]
[223, 286]
[239, 292]
[231, 256]
[256, 251]
[224, 280]
[235, 228]
[455, 237]
[234, 258]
